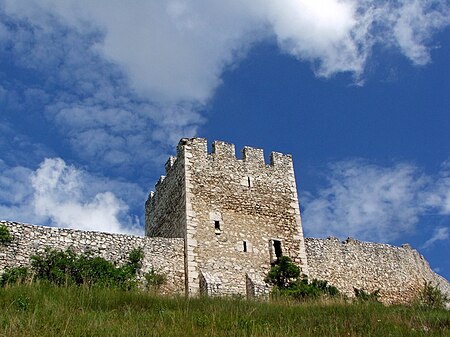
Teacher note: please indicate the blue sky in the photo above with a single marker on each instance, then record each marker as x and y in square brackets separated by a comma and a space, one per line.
[94, 97]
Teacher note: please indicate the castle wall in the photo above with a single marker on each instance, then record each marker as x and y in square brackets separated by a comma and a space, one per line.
[238, 208]
[161, 254]
[398, 272]
[165, 208]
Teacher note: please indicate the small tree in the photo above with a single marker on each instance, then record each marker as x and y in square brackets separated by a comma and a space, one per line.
[5, 235]
[285, 278]
[432, 297]
[283, 273]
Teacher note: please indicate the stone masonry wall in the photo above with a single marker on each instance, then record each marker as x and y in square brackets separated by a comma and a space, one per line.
[398, 272]
[163, 255]
[237, 208]
[165, 208]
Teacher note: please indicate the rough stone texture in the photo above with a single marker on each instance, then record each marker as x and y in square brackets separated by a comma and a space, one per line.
[256, 287]
[398, 272]
[168, 203]
[160, 254]
[235, 210]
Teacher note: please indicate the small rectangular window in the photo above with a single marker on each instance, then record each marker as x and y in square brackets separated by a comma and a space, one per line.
[245, 246]
[277, 248]
[217, 229]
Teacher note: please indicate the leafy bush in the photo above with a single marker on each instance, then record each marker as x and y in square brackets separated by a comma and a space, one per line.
[55, 266]
[67, 268]
[364, 296]
[5, 235]
[15, 275]
[283, 273]
[154, 279]
[135, 258]
[285, 278]
[432, 297]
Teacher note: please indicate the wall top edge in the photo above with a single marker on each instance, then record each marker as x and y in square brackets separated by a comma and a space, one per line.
[225, 150]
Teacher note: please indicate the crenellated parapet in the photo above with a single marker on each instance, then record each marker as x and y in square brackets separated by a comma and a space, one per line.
[224, 151]
[197, 148]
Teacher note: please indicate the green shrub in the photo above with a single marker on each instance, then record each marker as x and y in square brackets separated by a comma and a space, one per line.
[364, 296]
[285, 278]
[55, 266]
[5, 235]
[154, 279]
[67, 268]
[15, 275]
[432, 297]
[283, 273]
[135, 258]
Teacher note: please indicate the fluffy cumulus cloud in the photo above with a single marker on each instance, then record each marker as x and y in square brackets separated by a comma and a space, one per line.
[177, 50]
[372, 202]
[111, 78]
[61, 195]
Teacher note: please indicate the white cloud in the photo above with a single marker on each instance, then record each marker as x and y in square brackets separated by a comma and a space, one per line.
[16, 194]
[61, 195]
[440, 234]
[118, 77]
[328, 32]
[173, 51]
[177, 50]
[372, 202]
[413, 24]
[123, 81]
[439, 196]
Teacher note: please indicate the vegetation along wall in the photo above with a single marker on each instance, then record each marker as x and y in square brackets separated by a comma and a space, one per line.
[163, 255]
[399, 273]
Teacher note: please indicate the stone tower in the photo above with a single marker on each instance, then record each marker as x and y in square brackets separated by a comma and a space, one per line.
[236, 216]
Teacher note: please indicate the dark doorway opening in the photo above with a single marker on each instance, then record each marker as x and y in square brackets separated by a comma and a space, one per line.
[277, 249]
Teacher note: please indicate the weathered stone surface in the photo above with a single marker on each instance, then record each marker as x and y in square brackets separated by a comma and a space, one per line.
[235, 210]
[398, 272]
[160, 254]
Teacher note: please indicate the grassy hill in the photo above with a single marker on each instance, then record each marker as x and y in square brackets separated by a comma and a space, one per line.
[46, 310]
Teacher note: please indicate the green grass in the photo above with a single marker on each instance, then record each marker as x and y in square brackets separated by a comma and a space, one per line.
[45, 310]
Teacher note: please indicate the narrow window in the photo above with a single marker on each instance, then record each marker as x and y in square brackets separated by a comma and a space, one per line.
[249, 182]
[245, 246]
[277, 248]
[217, 227]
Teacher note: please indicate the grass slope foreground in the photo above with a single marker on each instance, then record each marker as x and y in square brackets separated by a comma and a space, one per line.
[49, 310]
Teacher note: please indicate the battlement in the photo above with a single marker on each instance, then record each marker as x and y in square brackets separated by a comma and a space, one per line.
[198, 148]
[169, 163]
